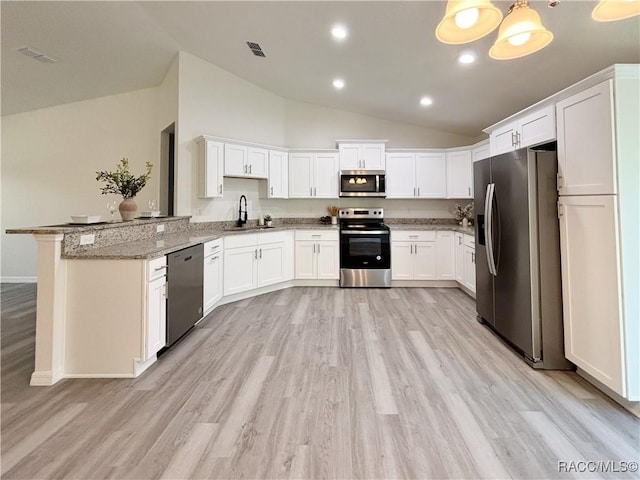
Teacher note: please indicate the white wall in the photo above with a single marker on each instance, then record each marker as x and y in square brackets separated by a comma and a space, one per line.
[50, 158]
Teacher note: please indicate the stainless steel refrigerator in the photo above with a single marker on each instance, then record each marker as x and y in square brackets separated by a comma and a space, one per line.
[518, 282]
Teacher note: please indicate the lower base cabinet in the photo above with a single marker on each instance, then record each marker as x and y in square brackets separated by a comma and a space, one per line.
[156, 317]
[413, 255]
[317, 255]
[213, 274]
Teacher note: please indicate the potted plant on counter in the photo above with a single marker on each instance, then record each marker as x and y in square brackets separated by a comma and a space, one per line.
[268, 220]
[463, 214]
[122, 182]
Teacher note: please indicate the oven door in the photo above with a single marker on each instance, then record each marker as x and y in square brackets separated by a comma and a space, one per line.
[364, 249]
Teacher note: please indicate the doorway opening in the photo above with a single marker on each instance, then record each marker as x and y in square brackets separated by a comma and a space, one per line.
[167, 170]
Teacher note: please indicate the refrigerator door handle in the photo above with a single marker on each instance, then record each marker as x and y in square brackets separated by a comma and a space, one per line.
[488, 208]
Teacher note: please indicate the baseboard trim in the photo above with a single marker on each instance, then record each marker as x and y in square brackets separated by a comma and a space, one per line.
[19, 279]
[45, 379]
[99, 375]
[632, 407]
[425, 283]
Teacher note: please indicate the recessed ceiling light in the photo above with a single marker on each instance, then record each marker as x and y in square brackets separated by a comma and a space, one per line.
[426, 101]
[339, 32]
[338, 83]
[467, 57]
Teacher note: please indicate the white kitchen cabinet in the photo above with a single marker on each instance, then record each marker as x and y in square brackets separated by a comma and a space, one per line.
[210, 168]
[278, 184]
[271, 263]
[245, 161]
[317, 255]
[240, 269]
[480, 152]
[362, 156]
[446, 255]
[313, 175]
[529, 129]
[459, 174]
[469, 263]
[416, 175]
[213, 274]
[586, 149]
[459, 247]
[413, 255]
[155, 336]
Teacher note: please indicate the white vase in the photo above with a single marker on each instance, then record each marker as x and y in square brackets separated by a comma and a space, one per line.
[465, 222]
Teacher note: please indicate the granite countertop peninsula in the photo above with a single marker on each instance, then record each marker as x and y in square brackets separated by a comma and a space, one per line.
[92, 227]
[426, 227]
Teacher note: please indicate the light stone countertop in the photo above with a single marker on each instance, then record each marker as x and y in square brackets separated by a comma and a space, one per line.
[428, 227]
[65, 228]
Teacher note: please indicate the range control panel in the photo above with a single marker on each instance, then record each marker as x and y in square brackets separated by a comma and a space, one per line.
[362, 213]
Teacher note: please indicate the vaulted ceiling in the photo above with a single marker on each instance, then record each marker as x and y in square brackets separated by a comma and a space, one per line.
[389, 60]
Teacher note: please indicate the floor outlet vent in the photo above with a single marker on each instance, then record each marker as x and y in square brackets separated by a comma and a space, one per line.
[256, 49]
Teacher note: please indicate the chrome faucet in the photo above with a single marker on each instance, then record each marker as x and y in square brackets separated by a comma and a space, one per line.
[241, 221]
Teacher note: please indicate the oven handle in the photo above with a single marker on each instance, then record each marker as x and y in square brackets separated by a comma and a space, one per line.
[366, 232]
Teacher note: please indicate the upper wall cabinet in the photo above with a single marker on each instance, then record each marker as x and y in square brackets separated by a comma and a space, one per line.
[416, 175]
[362, 156]
[459, 174]
[480, 152]
[313, 175]
[245, 161]
[210, 168]
[278, 184]
[530, 129]
[586, 151]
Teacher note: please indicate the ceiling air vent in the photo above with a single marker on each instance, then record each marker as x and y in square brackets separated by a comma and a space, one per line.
[256, 49]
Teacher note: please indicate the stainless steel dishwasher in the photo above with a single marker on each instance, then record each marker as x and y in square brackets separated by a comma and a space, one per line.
[184, 291]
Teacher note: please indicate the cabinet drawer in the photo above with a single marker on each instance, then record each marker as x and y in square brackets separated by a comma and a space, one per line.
[316, 235]
[470, 241]
[214, 246]
[156, 268]
[413, 236]
[235, 241]
[270, 237]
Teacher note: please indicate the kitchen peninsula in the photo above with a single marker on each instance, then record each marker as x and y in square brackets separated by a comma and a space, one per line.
[101, 288]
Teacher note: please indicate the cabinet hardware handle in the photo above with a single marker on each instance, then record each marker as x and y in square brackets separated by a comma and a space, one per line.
[255, 254]
[311, 191]
[414, 191]
[314, 248]
[459, 240]
[261, 253]
[245, 169]
[315, 192]
[469, 190]
[517, 138]
[272, 191]
[513, 141]
[318, 248]
[418, 191]
[364, 163]
[315, 235]
[214, 258]
[250, 168]
[157, 269]
[411, 248]
[415, 249]
[413, 236]
[220, 188]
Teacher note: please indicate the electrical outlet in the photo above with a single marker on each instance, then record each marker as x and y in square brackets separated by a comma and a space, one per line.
[160, 228]
[87, 239]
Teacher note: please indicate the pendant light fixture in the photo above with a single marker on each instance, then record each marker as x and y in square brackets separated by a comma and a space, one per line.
[520, 34]
[467, 20]
[610, 10]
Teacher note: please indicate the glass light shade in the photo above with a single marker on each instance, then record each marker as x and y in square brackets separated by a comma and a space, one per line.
[520, 34]
[458, 24]
[610, 10]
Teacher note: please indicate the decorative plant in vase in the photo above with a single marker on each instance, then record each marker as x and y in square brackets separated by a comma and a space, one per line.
[463, 214]
[122, 182]
[268, 220]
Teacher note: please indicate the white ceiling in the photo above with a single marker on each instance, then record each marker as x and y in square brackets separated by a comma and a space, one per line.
[389, 60]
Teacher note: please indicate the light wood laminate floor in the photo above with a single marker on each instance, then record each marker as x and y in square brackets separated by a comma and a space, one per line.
[312, 383]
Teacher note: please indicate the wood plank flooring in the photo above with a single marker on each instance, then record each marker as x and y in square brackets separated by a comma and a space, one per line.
[311, 383]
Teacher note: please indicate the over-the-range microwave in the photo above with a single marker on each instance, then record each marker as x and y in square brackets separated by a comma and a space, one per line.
[362, 183]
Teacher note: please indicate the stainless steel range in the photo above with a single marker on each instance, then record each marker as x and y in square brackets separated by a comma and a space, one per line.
[365, 248]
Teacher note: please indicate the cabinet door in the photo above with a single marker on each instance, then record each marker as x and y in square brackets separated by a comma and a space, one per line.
[401, 260]
[305, 259]
[445, 256]
[210, 169]
[271, 264]
[400, 178]
[350, 156]
[502, 140]
[300, 175]
[235, 160]
[424, 260]
[257, 162]
[591, 292]
[537, 127]
[459, 174]
[431, 175]
[470, 268]
[326, 175]
[278, 175]
[156, 336]
[373, 156]
[328, 260]
[586, 153]
[480, 153]
[212, 288]
[459, 246]
[240, 272]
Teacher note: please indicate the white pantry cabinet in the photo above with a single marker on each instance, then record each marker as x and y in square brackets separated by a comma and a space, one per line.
[255, 260]
[446, 255]
[361, 156]
[213, 274]
[278, 184]
[413, 255]
[245, 161]
[313, 174]
[586, 142]
[529, 129]
[317, 255]
[416, 175]
[459, 174]
[210, 168]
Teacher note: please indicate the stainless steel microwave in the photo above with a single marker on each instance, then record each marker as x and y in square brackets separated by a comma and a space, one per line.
[362, 183]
